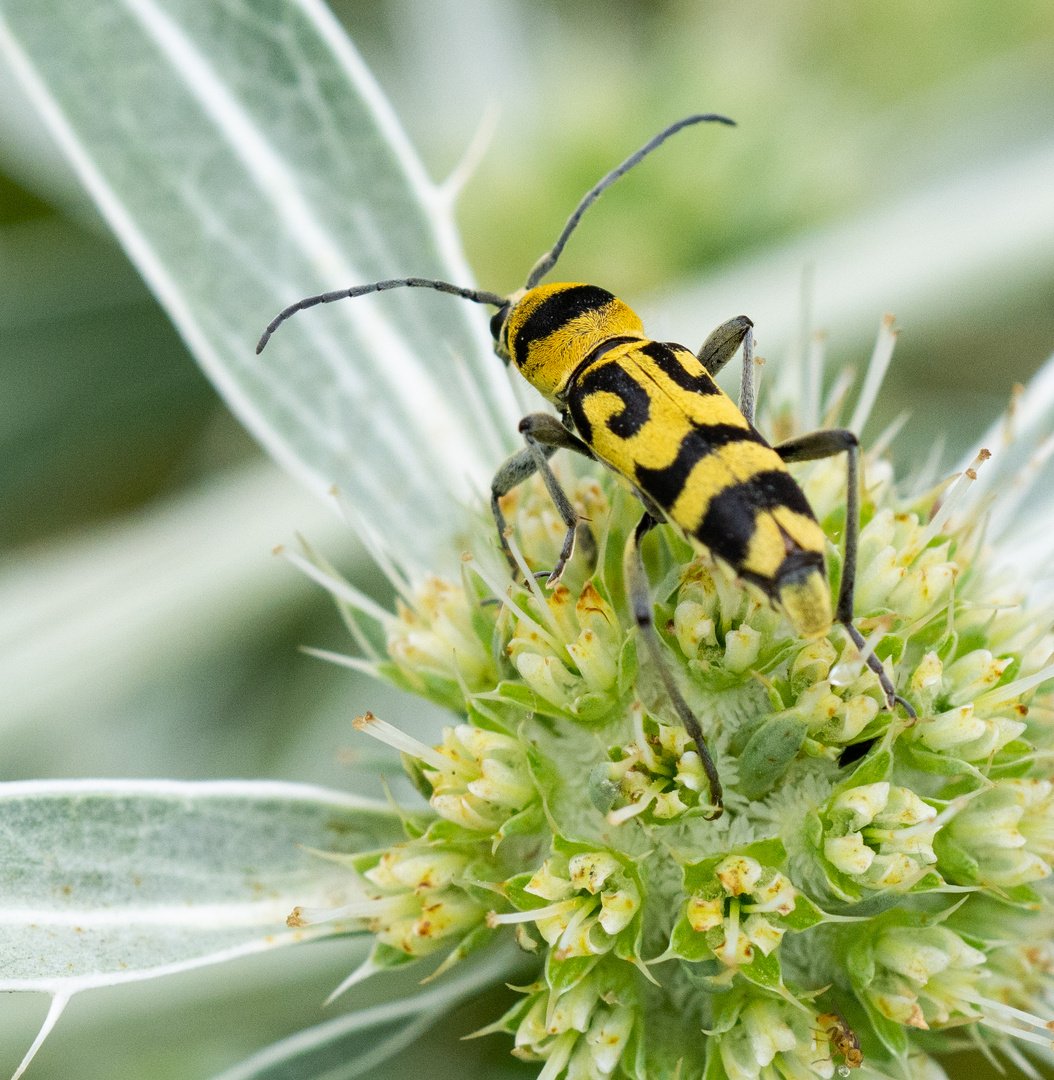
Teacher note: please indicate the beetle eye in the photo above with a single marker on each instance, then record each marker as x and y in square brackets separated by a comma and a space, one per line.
[498, 321]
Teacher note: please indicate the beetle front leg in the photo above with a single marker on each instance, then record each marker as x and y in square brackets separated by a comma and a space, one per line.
[514, 470]
[544, 435]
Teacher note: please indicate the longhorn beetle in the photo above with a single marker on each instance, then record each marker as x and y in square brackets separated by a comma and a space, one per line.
[651, 412]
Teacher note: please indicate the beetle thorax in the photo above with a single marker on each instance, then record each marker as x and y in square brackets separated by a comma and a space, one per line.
[554, 328]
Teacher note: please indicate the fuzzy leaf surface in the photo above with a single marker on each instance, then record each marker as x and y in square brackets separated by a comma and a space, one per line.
[111, 881]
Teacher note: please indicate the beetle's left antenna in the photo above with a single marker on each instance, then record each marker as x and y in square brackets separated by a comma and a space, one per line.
[548, 260]
[478, 296]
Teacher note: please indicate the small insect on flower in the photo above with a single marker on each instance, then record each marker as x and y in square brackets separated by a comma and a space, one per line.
[842, 1038]
[653, 414]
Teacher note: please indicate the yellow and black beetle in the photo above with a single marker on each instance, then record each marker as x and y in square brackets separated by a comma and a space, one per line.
[652, 413]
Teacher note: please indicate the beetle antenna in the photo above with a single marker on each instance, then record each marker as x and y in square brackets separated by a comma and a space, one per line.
[548, 260]
[478, 296]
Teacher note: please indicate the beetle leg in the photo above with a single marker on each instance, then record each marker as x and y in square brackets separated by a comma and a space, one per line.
[721, 346]
[722, 343]
[639, 591]
[550, 432]
[746, 381]
[544, 435]
[824, 444]
[514, 470]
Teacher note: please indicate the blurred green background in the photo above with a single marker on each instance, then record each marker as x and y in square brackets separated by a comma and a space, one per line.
[903, 151]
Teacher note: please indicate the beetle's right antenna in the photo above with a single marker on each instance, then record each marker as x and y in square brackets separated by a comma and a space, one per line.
[548, 260]
[478, 296]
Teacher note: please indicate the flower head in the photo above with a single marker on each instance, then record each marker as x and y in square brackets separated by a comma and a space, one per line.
[582, 1032]
[771, 1038]
[845, 901]
[925, 976]
[416, 898]
[581, 902]
[737, 910]
[658, 775]
[1005, 836]
[475, 778]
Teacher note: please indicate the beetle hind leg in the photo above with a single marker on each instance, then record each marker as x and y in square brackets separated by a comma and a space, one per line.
[639, 592]
[823, 444]
[888, 689]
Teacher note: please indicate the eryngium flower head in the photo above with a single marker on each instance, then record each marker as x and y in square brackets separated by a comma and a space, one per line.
[876, 882]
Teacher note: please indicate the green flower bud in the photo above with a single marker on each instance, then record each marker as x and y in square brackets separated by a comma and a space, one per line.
[927, 976]
[605, 1042]
[880, 835]
[442, 915]
[487, 779]
[693, 628]
[739, 874]
[410, 868]
[546, 676]
[961, 733]
[973, 674]
[812, 665]
[590, 871]
[741, 648]
[552, 880]
[878, 576]
[926, 682]
[921, 590]
[1009, 831]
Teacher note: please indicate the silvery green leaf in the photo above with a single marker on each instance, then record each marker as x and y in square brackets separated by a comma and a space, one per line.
[112, 881]
[108, 881]
[245, 158]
